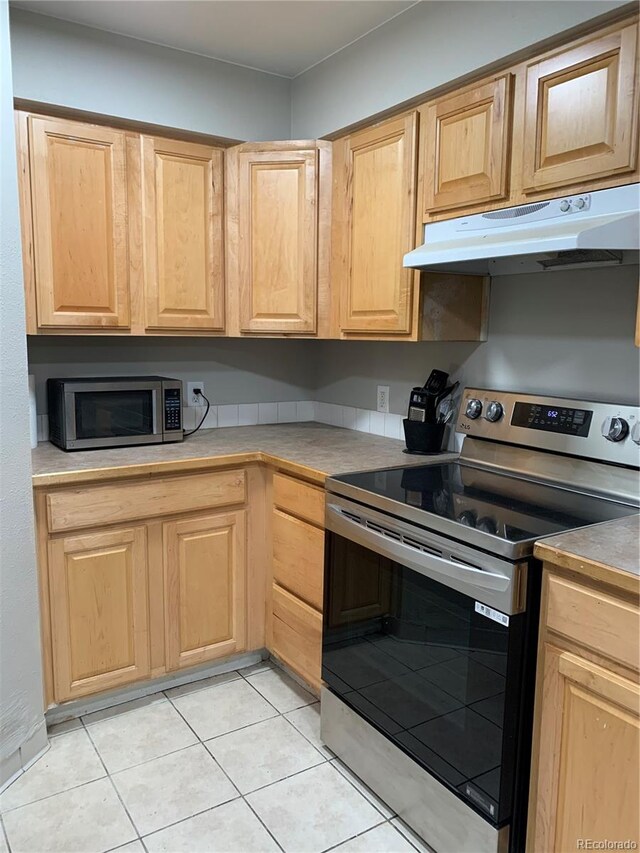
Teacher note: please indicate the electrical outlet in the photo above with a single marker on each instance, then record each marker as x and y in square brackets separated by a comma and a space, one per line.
[195, 399]
[383, 399]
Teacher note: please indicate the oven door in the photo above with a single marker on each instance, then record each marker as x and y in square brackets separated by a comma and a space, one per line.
[110, 414]
[425, 639]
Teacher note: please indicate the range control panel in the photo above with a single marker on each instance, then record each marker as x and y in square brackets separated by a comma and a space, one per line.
[603, 431]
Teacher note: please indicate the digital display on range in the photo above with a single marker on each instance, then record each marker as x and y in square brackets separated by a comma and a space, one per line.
[552, 419]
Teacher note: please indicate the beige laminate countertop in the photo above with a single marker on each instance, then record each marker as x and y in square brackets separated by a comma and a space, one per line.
[608, 552]
[310, 450]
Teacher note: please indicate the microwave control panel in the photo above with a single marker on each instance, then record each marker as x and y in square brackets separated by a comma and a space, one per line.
[172, 409]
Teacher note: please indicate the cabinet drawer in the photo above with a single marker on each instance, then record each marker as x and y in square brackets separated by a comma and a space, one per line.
[298, 557]
[297, 635]
[593, 619]
[89, 506]
[299, 499]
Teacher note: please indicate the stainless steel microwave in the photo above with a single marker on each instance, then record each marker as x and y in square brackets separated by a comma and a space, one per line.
[112, 412]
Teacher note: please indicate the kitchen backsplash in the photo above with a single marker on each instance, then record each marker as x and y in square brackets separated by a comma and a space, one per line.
[292, 411]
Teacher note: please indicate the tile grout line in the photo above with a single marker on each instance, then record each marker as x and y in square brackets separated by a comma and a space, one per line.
[113, 784]
[4, 833]
[353, 785]
[351, 837]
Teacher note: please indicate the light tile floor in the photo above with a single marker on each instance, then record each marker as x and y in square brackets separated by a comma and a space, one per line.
[231, 764]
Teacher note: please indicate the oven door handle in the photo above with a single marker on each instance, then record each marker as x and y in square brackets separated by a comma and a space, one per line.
[431, 565]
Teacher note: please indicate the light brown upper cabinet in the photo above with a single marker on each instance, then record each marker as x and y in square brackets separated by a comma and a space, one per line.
[78, 197]
[467, 137]
[581, 113]
[375, 174]
[273, 234]
[182, 221]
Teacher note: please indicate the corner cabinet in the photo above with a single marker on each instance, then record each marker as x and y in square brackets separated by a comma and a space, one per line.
[277, 239]
[182, 224]
[581, 113]
[584, 781]
[466, 136]
[76, 195]
[375, 174]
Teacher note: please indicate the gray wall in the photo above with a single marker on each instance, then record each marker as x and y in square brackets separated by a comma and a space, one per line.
[74, 66]
[233, 370]
[427, 46]
[22, 731]
[567, 333]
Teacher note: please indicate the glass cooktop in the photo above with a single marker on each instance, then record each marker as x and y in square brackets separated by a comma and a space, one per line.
[488, 503]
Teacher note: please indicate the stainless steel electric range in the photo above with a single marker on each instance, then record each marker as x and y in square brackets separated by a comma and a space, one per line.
[431, 607]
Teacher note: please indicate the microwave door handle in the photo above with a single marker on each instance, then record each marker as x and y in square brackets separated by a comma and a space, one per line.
[155, 393]
[430, 565]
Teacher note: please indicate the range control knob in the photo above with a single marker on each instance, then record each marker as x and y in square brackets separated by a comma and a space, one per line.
[635, 433]
[494, 411]
[474, 409]
[487, 525]
[468, 518]
[615, 429]
[565, 205]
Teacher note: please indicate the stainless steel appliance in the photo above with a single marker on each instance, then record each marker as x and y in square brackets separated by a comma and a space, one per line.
[432, 603]
[111, 412]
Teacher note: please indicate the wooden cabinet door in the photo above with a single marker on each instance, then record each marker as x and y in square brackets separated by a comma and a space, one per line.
[183, 235]
[79, 210]
[581, 113]
[205, 588]
[277, 240]
[467, 142]
[587, 784]
[375, 193]
[98, 598]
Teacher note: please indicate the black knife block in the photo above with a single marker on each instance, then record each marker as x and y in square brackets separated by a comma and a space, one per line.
[423, 438]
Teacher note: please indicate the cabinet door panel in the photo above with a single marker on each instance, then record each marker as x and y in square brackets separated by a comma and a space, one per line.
[587, 784]
[379, 226]
[277, 234]
[467, 147]
[205, 595]
[79, 208]
[98, 611]
[183, 235]
[581, 113]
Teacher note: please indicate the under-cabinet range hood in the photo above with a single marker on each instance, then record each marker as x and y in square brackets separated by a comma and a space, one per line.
[595, 229]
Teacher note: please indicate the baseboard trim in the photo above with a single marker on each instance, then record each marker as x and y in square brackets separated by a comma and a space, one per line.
[31, 749]
[79, 707]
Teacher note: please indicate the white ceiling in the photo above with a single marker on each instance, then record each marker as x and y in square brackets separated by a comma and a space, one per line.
[284, 37]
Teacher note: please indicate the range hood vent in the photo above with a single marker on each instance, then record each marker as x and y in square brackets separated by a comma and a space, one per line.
[582, 257]
[592, 229]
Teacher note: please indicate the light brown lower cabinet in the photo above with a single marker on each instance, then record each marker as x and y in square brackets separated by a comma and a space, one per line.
[297, 548]
[99, 622]
[585, 779]
[204, 588]
[125, 599]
